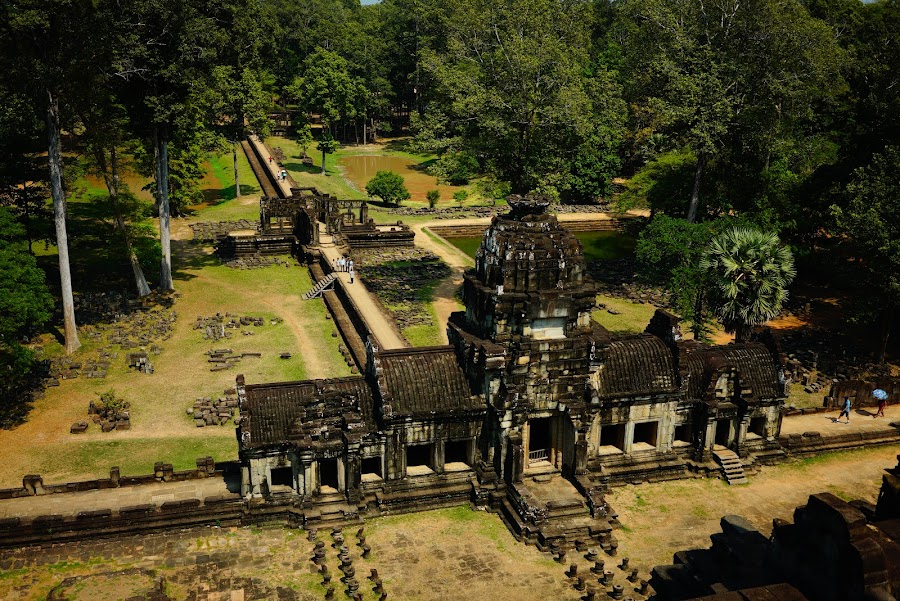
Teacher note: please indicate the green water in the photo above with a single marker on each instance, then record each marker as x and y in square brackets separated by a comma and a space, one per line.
[598, 246]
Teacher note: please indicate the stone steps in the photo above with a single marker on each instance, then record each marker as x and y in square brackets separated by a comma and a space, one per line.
[320, 287]
[732, 467]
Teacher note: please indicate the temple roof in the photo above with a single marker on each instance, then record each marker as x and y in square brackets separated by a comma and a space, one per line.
[636, 365]
[423, 381]
[306, 412]
[752, 360]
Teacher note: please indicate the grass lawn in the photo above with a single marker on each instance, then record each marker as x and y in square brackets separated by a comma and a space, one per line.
[161, 429]
[632, 317]
[218, 191]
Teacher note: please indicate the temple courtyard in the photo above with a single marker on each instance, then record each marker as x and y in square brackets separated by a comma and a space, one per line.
[447, 554]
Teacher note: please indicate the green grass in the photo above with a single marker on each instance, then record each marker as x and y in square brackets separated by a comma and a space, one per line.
[332, 183]
[632, 318]
[598, 246]
[133, 456]
[603, 246]
[468, 244]
[219, 190]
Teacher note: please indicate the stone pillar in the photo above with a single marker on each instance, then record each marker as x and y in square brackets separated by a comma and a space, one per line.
[246, 485]
[439, 455]
[629, 437]
[114, 476]
[581, 453]
[363, 213]
[352, 472]
[34, 484]
[515, 458]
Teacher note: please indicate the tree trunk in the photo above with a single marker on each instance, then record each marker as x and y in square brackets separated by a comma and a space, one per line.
[59, 217]
[237, 181]
[323, 162]
[140, 281]
[695, 193]
[887, 323]
[162, 192]
[740, 332]
[364, 131]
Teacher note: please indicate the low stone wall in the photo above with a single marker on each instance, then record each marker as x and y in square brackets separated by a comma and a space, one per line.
[860, 392]
[222, 510]
[582, 225]
[33, 484]
[813, 443]
[347, 328]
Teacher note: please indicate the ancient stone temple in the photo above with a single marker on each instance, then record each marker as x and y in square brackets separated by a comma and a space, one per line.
[533, 408]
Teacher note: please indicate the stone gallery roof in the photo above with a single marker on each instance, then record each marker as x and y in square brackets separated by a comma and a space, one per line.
[752, 360]
[636, 365]
[423, 381]
[307, 412]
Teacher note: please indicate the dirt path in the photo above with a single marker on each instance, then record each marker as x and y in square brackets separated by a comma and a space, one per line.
[660, 519]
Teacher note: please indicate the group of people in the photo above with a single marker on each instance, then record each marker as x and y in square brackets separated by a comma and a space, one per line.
[845, 409]
[281, 175]
[345, 265]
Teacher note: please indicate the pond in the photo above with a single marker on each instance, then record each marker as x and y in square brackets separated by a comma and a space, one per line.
[598, 246]
[359, 169]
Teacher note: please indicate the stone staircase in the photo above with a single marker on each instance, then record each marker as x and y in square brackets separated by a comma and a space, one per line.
[320, 287]
[553, 524]
[330, 510]
[732, 468]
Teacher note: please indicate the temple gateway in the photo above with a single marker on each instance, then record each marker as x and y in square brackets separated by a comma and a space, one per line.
[532, 409]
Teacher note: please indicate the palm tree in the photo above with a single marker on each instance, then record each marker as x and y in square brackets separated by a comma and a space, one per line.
[750, 272]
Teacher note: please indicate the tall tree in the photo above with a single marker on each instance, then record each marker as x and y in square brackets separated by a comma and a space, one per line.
[47, 56]
[513, 84]
[750, 272]
[167, 54]
[725, 75]
[870, 219]
[25, 306]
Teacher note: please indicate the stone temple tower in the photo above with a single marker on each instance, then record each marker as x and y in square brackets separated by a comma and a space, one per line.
[526, 341]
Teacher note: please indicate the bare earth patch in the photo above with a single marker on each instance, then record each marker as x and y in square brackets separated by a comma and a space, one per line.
[660, 519]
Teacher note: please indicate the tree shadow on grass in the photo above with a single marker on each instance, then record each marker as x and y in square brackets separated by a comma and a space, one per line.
[398, 145]
[191, 256]
[302, 168]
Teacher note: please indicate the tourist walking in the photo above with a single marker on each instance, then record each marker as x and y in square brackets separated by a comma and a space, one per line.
[882, 403]
[350, 265]
[351, 274]
[270, 160]
[845, 410]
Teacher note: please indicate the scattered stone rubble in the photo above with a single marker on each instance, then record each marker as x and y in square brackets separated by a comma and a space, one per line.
[257, 262]
[115, 416]
[222, 359]
[364, 257]
[215, 231]
[399, 287]
[116, 323]
[218, 326]
[208, 412]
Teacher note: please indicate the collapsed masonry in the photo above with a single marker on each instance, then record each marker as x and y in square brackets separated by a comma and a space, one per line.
[832, 551]
[532, 409]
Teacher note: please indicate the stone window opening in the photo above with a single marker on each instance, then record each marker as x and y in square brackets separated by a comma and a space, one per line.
[282, 476]
[458, 455]
[612, 439]
[419, 459]
[370, 469]
[682, 437]
[645, 436]
[757, 428]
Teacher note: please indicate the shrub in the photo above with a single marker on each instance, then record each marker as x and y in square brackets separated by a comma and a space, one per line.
[433, 196]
